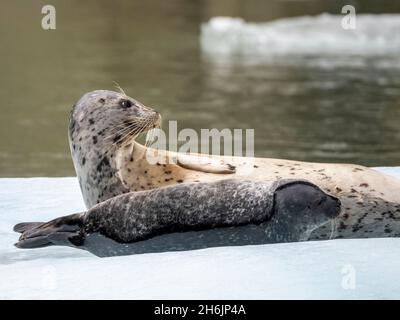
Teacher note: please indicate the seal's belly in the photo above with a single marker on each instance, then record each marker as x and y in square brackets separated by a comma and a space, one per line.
[363, 218]
[337, 179]
[342, 180]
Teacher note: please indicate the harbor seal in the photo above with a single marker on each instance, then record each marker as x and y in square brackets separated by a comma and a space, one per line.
[284, 211]
[108, 162]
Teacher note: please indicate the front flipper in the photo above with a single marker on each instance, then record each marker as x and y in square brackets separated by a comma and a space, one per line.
[204, 164]
[65, 231]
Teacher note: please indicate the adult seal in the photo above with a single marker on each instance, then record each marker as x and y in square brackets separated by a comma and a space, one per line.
[109, 162]
[282, 211]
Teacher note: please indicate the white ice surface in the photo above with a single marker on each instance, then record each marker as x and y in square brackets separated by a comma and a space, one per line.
[315, 270]
[309, 35]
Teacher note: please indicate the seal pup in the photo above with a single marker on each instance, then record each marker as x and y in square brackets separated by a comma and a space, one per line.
[108, 162]
[284, 211]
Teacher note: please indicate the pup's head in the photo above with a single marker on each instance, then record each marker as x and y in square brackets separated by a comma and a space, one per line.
[305, 204]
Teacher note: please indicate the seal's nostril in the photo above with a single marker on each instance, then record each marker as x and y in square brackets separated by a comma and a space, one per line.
[332, 207]
[157, 114]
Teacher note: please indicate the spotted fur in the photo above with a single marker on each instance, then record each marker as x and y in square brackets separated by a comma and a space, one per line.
[370, 199]
[286, 211]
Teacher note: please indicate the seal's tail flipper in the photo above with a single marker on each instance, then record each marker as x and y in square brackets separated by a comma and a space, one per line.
[65, 231]
[24, 226]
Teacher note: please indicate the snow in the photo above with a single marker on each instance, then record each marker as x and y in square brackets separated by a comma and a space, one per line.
[336, 269]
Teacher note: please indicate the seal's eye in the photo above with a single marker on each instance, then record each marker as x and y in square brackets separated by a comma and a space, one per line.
[125, 104]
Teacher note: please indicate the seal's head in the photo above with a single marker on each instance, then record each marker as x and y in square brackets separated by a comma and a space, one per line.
[300, 207]
[115, 117]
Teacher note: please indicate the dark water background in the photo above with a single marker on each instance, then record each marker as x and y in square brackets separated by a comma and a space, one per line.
[299, 110]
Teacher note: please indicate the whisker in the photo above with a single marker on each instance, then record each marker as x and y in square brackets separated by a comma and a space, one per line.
[132, 136]
[131, 133]
[119, 87]
[333, 228]
[151, 135]
[121, 131]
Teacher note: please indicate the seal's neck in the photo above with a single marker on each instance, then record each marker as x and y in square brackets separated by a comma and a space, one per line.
[94, 158]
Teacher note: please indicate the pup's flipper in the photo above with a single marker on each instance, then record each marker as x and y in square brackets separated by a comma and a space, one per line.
[37, 242]
[24, 226]
[61, 231]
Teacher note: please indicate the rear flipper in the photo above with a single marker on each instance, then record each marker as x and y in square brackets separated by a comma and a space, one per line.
[24, 226]
[65, 231]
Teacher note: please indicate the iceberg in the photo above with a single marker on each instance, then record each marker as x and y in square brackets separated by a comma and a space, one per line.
[335, 269]
[306, 35]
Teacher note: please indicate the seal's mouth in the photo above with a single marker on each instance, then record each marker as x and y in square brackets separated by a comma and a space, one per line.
[154, 123]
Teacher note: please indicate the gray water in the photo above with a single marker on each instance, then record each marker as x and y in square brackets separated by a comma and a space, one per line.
[299, 108]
